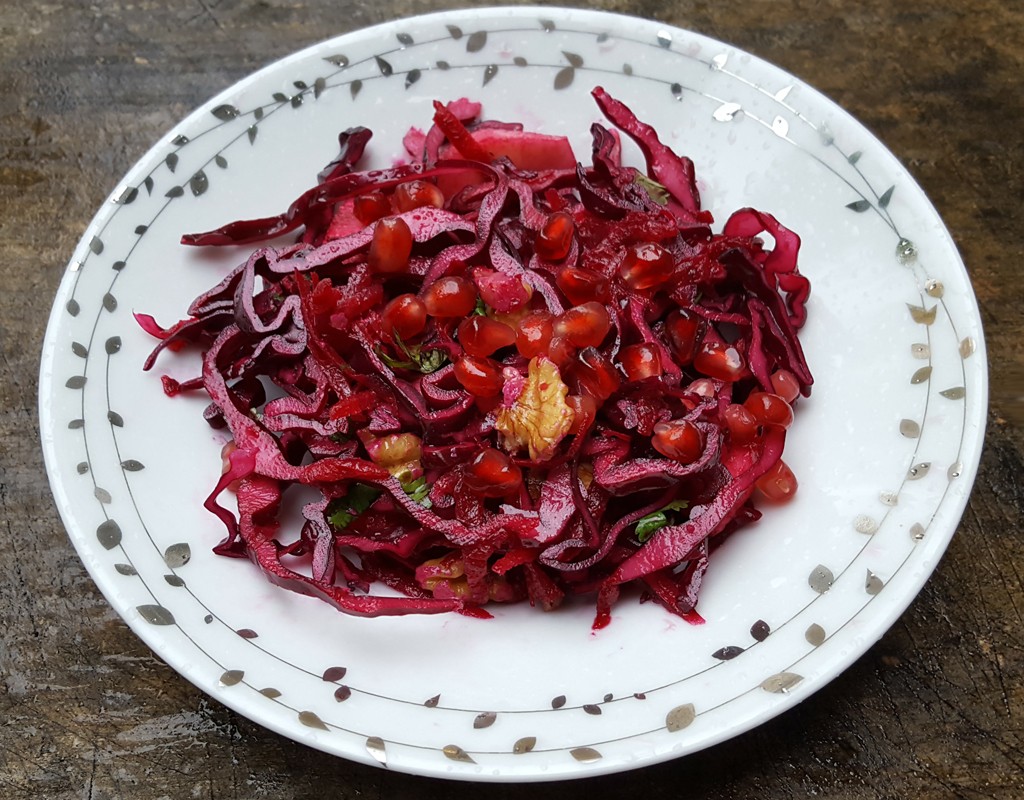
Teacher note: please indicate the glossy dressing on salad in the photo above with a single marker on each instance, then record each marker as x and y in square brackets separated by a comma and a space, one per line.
[509, 377]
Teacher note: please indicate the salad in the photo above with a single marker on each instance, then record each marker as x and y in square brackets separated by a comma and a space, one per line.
[508, 376]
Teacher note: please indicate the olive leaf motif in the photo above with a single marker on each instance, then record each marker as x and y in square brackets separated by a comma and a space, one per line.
[564, 77]
[860, 206]
[921, 376]
[332, 674]
[405, 38]
[109, 534]
[411, 77]
[883, 201]
[225, 112]
[476, 42]
[456, 753]
[156, 615]
[489, 73]
[311, 720]
[375, 747]
[680, 717]
[231, 677]
[815, 635]
[524, 745]
[96, 245]
[355, 87]
[385, 67]
[338, 60]
[585, 755]
[198, 183]
[171, 161]
[455, 31]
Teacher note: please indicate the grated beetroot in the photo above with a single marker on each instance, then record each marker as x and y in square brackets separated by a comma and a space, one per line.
[462, 479]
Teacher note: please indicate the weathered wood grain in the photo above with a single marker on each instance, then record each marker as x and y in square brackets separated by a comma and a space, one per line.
[934, 710]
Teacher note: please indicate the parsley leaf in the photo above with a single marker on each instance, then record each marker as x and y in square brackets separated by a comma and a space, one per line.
[343, 510]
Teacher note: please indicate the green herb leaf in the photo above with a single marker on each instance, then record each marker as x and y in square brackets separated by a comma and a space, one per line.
[657, 192]
[342, 511]
[646, 526]
[418, 490]
[426, 361]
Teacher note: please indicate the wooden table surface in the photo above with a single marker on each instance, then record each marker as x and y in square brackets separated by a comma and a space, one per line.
[934, 710]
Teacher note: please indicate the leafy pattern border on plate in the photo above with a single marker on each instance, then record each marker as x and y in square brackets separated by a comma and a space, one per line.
[562, 73]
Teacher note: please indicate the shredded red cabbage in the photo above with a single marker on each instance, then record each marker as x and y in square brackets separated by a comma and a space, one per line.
[510, 376]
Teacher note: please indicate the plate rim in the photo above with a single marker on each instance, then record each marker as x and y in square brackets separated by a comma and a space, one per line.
[154, 639]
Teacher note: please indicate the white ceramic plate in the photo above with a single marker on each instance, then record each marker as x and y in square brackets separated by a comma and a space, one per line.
[886, 449]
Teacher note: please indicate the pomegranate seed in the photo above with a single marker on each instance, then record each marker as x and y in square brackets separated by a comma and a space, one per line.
[416, 194]
[786, 385]
[405, 316]
[481, 336]
[554, 240]
[584, 408]
[584, 325]
[479, 376]
[533, 334]
[502, 292]
[702, 387]
[720, 360]
[595, 374]
[769, 409]
[683, 329]
[493, 474]
[740, 423]
[640, 361]
[646, 265]
[371, 207]
[583, 285]
[779, 483]
[450, 297]
[391, 246]
[679, 440]
[561, 351]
